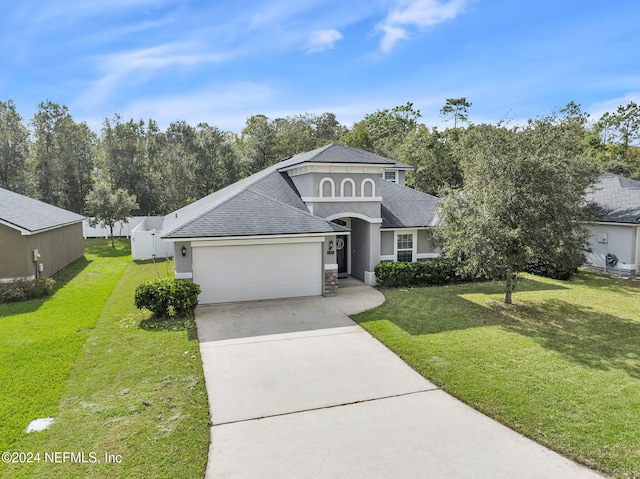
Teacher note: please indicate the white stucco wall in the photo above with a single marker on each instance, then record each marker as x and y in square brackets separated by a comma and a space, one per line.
[621, 241]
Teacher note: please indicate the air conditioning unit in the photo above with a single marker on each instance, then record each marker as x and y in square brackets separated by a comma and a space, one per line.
[603, 237]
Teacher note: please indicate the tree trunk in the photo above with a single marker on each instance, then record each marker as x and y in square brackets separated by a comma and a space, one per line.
[113, 244]
[509, 283]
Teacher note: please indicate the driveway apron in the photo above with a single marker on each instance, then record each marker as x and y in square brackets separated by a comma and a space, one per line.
[297, 389]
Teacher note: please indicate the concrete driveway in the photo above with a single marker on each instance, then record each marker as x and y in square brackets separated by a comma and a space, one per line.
[297, 389]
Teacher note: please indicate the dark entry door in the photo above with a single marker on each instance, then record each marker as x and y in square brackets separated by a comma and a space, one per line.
[341, 255]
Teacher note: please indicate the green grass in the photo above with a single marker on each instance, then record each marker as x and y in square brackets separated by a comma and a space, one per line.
[561, 366]
[116, 381]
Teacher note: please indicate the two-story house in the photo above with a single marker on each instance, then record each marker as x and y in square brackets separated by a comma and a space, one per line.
[292, 229]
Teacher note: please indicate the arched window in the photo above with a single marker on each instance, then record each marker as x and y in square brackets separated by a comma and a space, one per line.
[327, 188]
[348, 188]
[368, 191]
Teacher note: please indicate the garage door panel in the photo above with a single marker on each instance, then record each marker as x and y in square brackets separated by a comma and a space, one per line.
[240, 273]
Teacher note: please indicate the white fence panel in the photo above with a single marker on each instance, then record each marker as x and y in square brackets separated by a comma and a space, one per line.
[120, 230]
[146, 242]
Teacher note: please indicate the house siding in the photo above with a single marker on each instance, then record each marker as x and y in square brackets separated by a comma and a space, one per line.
[621, 241]
[182, 264]
[386, 243]
[369, 209]
[58, 248]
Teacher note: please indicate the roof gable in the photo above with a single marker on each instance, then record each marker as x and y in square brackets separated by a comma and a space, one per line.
[30, 216]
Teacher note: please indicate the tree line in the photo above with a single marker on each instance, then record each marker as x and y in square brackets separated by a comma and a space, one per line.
[60, 161]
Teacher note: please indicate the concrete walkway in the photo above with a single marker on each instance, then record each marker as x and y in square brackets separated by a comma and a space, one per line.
[297, 389]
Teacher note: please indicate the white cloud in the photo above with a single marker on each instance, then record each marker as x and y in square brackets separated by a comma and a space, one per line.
[416, 13]
[321, 40]
[138, 66]
[596, 110]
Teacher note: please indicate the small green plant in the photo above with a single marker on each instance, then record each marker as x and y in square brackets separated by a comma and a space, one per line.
[24, 289]
[167, 297]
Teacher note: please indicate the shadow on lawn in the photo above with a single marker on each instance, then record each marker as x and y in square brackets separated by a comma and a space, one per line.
[187, 324]
[592, 338]
[61, 278]
[583, 335]
[449, 308]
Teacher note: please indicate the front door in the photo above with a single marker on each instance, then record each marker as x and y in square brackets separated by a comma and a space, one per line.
[341, 255]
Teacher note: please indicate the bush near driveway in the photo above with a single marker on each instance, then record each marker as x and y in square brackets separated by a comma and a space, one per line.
[168, 297]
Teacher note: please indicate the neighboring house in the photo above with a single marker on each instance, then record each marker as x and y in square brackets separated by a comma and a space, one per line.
[36, 239]
[293, 228]
[615, 240]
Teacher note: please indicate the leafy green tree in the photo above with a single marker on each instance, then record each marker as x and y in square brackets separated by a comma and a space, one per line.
[77, 155]
[622, 127]
[522, 198]
[108, 207]
[456, 108]
[259, 143]
[358, 137]
[384, 131]
[14, 149]
[125, 159]
[50, 124]
[429, 152]
[216, 160]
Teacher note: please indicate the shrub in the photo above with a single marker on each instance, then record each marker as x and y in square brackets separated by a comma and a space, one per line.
[423, 273]
[550, 269]
[24, 289]
[167, 297]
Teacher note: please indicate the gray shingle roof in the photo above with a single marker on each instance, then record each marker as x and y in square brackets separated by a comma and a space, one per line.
[270, 205]
[617, 199]
[261, 215]
[404, 207]
[334, 153]
[31, 216]
[273, 205]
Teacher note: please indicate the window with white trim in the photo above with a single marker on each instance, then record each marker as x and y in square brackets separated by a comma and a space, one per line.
[391, 176]
[404, 247]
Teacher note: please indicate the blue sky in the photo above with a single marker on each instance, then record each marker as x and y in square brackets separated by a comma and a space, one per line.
[221, 61]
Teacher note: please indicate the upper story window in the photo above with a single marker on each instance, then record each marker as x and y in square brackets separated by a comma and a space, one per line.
[391, 176]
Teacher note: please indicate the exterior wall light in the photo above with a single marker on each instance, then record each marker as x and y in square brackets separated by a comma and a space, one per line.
[330, 245]
[184, 251]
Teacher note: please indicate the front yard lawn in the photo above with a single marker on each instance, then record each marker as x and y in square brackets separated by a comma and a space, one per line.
[117, 383]
[561, 366]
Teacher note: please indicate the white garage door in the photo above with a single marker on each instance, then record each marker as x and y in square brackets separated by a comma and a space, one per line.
[263, 271]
